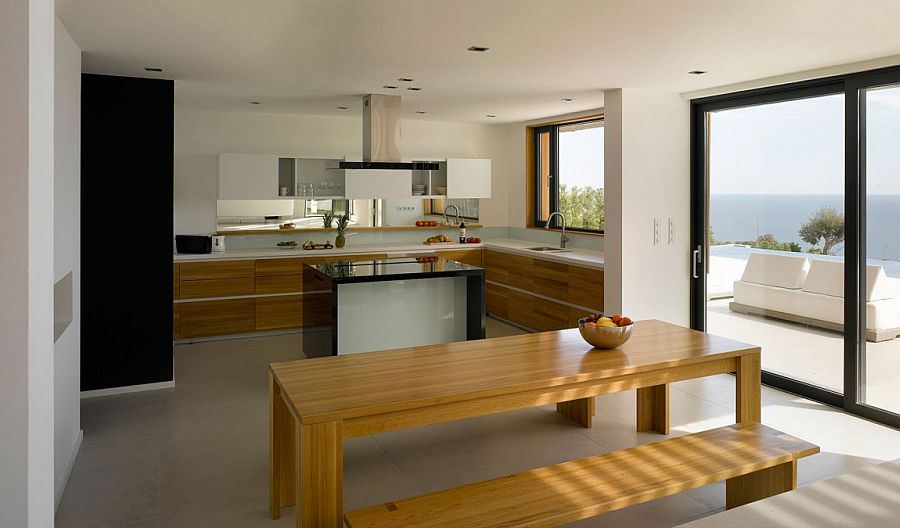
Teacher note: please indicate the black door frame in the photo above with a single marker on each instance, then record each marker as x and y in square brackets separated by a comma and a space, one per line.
[853, 87]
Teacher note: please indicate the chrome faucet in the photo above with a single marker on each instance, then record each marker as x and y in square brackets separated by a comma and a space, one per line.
[562, 237]
[447, 221]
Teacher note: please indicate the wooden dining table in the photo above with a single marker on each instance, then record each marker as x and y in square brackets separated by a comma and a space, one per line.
[316, 403]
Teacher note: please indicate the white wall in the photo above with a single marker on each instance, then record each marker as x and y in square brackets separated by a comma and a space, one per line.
[67, 252]
[200, 135]
[26, 322]
[647, 172]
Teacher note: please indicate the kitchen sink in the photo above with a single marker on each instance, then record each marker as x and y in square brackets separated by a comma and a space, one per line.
[548, 249]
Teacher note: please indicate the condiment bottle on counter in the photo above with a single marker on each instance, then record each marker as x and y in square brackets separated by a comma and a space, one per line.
[462, 232]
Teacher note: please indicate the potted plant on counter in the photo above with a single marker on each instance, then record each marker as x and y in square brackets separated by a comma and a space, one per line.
[342, 221]
[327, 219]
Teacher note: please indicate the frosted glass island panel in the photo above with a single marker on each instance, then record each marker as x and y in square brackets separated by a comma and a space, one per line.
[403, 313]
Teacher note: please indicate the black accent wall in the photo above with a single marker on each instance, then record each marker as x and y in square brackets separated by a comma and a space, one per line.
[127, 157]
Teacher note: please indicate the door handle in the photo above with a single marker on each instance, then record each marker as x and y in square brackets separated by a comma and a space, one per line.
[696, 258]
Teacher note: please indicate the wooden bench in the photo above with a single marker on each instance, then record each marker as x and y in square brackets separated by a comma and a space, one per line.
[754, 460]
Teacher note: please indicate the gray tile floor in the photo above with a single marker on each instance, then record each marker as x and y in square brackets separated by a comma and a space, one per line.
[196, 455]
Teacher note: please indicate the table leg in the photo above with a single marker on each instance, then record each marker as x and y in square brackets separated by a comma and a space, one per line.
[581, 411]
[748, 389]
[653, 409]
[760, 484]
[281, 452]
[320, 475]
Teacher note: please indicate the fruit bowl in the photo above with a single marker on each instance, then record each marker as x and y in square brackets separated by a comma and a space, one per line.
[604, 336]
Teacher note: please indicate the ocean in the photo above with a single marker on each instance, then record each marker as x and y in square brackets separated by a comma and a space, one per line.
[742, 217]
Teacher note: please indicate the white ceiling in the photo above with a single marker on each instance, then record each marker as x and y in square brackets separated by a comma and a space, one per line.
[309, 56]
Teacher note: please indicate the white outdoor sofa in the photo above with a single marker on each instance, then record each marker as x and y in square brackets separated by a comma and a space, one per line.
[811, 291]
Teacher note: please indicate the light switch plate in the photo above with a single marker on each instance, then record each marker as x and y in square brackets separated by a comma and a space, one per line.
[671, 230]
[657, 223]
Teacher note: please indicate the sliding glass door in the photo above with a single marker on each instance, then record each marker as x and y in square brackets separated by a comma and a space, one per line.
[879, 364]
[796, 211]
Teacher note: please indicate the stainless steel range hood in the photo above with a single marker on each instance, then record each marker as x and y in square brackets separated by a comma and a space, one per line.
[381, 136]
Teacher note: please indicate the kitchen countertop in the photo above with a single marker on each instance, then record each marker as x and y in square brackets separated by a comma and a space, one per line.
[576, 256]
[394, 269]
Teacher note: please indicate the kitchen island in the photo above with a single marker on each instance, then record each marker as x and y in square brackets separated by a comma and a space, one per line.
[396, 303]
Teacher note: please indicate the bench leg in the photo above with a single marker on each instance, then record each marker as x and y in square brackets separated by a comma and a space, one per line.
[748, 389]
[581, 411]
[760, 484]
[320, 475]
[653, 409]
[281, 452]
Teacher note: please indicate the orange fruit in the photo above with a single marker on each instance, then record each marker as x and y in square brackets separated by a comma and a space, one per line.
[625, 321]
[616, 318]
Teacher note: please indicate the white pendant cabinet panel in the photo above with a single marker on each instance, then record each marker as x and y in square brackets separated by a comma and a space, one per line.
[378, 183]
[468, 178]
[248, 176]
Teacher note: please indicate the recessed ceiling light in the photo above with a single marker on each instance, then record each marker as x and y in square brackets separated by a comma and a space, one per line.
[478, 49]
[489, 115]
[389, 87]
[405, 79]
[696, 72]
[420, 111]
[255, 102]
[342, 107]
[567, 99]
[158, 70]
[413, 89]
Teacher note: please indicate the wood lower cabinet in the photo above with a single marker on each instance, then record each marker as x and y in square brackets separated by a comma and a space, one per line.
[317, 309]
[228, 269]
[279, 313]
[199, 289]
[176, 281]
[586, 287]
[466, 256]
[555, 295]
[279, 284]
[176, 321]
[209, 318]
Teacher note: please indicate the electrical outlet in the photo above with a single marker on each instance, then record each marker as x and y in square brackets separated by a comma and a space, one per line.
[657, 222]
[671, 230]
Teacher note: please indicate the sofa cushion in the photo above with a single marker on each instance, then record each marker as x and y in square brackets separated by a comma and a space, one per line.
[825, 277]
[772, 269]
[878, 285]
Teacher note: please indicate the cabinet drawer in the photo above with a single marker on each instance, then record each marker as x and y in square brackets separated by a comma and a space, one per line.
[551, 279]
[497, 301]
[280, 266]
[549, 315]
[175, 280]
[277, 313]
[231, 269]
[197, 289]
[586, 287]
[209, 318]
[466, 256]
[176, 321]
[279, 284]
[520, 309]
[317, 309]
[495, 267]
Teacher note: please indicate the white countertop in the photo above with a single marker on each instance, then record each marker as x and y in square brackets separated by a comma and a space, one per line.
[581, 257]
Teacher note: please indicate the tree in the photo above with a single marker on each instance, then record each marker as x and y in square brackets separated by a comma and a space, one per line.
[826, 224]
[582, 206]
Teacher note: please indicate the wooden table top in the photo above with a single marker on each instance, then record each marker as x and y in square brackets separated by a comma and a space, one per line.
[357, 385]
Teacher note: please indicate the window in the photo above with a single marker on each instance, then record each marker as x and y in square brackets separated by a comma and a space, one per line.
[568, 174]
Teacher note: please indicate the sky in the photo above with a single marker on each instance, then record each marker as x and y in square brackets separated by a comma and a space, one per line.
[797, 147]
[581, 157]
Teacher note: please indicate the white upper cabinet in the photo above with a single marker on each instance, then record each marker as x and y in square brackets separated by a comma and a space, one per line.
[248, 176]
[468, 178]
[378, 183]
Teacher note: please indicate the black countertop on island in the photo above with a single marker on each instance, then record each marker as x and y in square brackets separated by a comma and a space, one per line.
[404, 268]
